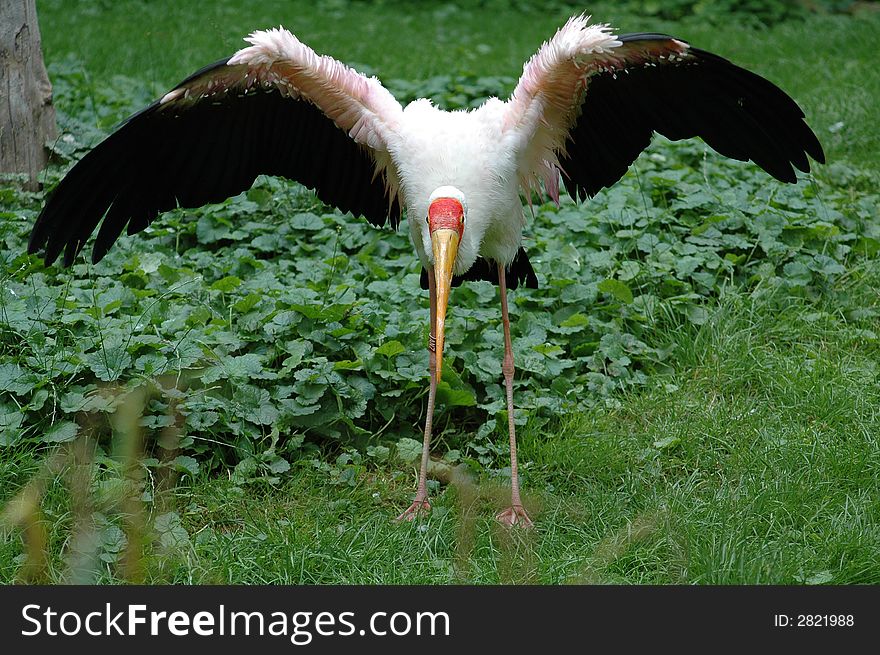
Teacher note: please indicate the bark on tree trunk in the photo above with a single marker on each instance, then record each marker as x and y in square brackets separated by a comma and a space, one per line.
[27, 117]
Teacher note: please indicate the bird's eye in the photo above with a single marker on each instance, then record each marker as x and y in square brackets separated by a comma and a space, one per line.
[428, 219]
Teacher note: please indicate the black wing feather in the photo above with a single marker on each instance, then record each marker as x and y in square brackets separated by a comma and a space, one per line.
[736, 112]
[196, 151]
[519, 271]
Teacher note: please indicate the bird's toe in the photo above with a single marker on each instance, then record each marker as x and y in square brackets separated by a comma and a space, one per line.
[515, 515]
[419, 506]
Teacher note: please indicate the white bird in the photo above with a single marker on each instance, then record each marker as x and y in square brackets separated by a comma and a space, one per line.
[586, 105]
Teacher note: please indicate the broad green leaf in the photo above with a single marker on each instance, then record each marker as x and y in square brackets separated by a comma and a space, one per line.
[278, 465]
[235, 368]
[697, 314]
[185, 463]
[797, 273]
[227, 284]
[247, 303]
[450, 397]
[109, 360]
[60, 432]
[391, 348]
[10, 425]
[172, 534]
[667, 443]
[629, 270]
[306, 221]
[149, 262]
[408, 450]
[380, 453]
[16, 380]
[617, 289]
[576, 320]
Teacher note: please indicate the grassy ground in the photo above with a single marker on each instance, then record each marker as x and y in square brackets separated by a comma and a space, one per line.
[758, 463]
[756, 460]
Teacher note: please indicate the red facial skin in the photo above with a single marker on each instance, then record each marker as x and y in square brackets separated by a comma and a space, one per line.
[446, 213]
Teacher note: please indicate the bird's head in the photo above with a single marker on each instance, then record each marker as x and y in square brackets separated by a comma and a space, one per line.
[447, 218]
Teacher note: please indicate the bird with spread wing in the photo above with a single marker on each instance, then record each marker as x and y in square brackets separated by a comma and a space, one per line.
[586, 105]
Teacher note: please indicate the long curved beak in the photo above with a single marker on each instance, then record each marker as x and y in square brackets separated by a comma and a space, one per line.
[444, 242]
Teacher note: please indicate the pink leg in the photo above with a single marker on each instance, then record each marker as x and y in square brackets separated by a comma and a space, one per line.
[516, 513]
[421, 504]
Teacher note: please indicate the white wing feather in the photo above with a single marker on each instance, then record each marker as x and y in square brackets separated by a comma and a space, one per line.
[358, 104]
[546, 100]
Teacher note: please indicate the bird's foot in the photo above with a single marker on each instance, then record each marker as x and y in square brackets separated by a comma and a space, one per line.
[419, 506]
[514, 515]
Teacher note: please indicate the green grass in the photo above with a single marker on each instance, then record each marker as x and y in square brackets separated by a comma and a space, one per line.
[757, 463]
[751, 454]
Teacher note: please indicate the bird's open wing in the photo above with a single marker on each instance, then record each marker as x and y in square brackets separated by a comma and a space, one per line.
[275, 107]
[589, 102]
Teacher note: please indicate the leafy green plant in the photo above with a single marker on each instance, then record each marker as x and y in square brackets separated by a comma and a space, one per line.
[282, 323]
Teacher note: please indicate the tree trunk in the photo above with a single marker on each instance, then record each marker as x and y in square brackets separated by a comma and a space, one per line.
[27, 117]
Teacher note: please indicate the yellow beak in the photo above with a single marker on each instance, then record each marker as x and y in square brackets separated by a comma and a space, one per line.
[444, 242]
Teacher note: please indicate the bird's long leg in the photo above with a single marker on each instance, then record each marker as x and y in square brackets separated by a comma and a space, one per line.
[516, 513]
[421, 504]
